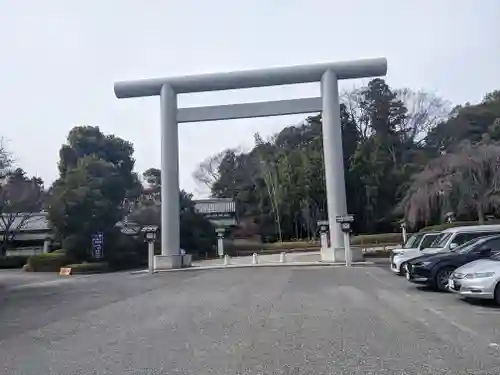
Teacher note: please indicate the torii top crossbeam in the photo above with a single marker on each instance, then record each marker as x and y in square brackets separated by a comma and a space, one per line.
[252, 78]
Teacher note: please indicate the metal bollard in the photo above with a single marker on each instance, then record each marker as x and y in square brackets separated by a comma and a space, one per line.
[227, 260]
[255, 258]
[283, 257]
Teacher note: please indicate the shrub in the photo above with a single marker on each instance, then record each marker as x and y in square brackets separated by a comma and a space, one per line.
[14, 261]
[291, 245]
[124, 252]
[59, 251]
[441, 227]
[82, 268]
[241, 246]
[77, 247]
[120, 251]
[47, 262]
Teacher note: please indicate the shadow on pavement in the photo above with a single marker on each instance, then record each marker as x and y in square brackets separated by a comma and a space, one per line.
[487, 303]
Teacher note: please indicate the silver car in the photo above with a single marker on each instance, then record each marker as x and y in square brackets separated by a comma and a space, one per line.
[478, 279]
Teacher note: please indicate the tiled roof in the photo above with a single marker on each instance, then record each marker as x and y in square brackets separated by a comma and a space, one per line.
[36, 222]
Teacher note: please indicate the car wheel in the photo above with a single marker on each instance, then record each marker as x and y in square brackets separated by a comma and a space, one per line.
[497, 294]
[441, 278]
[402, 269]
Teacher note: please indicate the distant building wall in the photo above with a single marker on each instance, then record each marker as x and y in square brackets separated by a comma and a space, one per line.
[25, 251]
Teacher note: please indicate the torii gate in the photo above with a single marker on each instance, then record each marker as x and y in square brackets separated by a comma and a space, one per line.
[168, 88]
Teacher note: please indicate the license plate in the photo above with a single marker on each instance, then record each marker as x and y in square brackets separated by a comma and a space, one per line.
[451, 284]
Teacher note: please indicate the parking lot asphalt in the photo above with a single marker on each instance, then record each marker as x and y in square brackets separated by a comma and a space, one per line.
[13, 279]
[291, 320]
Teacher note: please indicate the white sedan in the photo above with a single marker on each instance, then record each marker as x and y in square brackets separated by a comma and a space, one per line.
[412, 249]
[479, 279]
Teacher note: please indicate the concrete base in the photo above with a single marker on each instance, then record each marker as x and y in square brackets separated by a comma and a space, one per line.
[187, 260]
[166, 262]
[327, 254]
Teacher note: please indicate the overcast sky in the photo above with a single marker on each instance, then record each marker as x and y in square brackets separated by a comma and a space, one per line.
[59, 59]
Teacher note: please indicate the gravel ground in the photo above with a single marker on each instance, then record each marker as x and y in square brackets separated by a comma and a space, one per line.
[296, 320]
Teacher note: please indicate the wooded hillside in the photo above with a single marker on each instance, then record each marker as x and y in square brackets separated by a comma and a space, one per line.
[406, 154]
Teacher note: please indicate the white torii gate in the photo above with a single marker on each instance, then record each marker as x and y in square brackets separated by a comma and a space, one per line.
[168, 88]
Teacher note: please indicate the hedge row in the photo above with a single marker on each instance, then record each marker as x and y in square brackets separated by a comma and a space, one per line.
[14, 261]
[47, 262]
[368, 240]
[377, 239]
[82, 268]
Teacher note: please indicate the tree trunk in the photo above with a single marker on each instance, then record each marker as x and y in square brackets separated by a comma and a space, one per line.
[480, 213]
[296, 224]
[3, 248]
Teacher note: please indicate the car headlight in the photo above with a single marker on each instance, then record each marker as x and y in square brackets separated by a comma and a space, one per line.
[425, 263]
[479, 275]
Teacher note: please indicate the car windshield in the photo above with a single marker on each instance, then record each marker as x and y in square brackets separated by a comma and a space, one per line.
[413, 241]
[440, 240]
[468, 246]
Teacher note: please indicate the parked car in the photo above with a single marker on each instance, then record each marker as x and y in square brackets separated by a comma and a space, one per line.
[416, 242]
[447, 240]
[435, 269]
[478, 279]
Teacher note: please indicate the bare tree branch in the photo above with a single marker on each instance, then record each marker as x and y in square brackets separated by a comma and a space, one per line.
[351, 99]
[207, 172]
[425, 111]
[5, 159]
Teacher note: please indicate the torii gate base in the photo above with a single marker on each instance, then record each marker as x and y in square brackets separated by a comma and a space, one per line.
[168, 88]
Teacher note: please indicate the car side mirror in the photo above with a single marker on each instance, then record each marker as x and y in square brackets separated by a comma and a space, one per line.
[485, 251]
[453, 245]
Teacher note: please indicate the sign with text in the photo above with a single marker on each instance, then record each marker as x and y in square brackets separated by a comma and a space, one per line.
[345, 219]
[98, 245]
